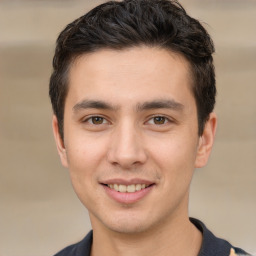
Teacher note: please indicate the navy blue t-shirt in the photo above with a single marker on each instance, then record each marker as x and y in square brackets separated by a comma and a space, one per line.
[211, 245]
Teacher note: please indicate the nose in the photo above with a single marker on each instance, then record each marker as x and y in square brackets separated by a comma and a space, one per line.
[126, 148]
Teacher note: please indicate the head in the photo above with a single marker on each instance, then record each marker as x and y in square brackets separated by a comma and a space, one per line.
[122, 25]
[132, 91]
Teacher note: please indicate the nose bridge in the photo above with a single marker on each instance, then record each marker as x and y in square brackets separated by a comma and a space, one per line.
[126, 147]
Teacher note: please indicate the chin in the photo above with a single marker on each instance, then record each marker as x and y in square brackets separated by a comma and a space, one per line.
[127, 224]
[128, 229]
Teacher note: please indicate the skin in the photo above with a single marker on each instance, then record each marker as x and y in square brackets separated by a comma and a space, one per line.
[131, 114]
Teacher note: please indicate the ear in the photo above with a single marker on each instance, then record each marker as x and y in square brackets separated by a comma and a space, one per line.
[59, 142]
[206, 141]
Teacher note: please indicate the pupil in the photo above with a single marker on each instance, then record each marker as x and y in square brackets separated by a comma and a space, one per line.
[159, 120]
[97, 120]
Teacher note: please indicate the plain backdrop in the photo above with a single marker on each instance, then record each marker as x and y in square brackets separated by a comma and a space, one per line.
[39, 212]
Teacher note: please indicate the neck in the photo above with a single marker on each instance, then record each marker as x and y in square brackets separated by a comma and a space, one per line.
[179, 237]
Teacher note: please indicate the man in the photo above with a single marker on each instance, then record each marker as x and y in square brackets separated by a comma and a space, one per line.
[133, 93]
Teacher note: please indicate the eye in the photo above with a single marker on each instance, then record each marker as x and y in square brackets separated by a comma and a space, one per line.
[96, 120]
[158, 120]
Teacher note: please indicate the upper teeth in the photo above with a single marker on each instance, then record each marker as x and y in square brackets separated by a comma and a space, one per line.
[130, 188]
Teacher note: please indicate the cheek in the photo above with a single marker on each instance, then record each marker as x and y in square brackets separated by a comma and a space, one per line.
[84, 150]
[84, 157]
[174, 151]
[175, 158]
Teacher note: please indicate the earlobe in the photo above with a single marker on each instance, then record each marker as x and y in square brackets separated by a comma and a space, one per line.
[206, 141]
[59, 142]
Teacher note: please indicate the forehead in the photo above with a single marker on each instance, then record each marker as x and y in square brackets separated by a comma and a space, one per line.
[139, 73]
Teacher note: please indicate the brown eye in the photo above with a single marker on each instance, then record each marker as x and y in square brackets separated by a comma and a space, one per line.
[97, 120]
[159, 120]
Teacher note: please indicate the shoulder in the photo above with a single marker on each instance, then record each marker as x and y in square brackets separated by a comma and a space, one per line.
[214, 246]
[238, 252]
[82, 248]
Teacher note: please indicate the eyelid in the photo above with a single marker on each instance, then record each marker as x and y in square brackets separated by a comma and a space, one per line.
[87, 118]
[168, 119]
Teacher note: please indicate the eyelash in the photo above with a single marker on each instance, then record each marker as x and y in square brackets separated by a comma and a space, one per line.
[87, 120]
[166, 120]
[104, 120]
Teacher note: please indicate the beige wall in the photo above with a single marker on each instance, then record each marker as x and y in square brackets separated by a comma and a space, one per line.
[39, 213]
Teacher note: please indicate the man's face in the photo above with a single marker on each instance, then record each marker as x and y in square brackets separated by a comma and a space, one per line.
[131, 137]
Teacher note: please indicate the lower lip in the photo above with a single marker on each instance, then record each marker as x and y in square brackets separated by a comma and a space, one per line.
[127, 198]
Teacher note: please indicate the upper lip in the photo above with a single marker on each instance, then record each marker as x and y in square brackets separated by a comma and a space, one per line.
[127, 182]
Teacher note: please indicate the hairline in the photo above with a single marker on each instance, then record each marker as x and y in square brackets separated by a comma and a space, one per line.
[74, 58]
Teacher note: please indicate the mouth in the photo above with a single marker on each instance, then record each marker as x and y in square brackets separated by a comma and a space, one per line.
[125, 192]
[127, 188]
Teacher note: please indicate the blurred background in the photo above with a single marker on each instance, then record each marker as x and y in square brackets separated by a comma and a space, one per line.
[39, 212]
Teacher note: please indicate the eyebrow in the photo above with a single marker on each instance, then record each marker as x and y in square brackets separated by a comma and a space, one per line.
[85, 104]
[156, 104]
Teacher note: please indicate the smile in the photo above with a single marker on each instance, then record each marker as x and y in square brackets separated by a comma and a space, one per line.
[127, 189]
